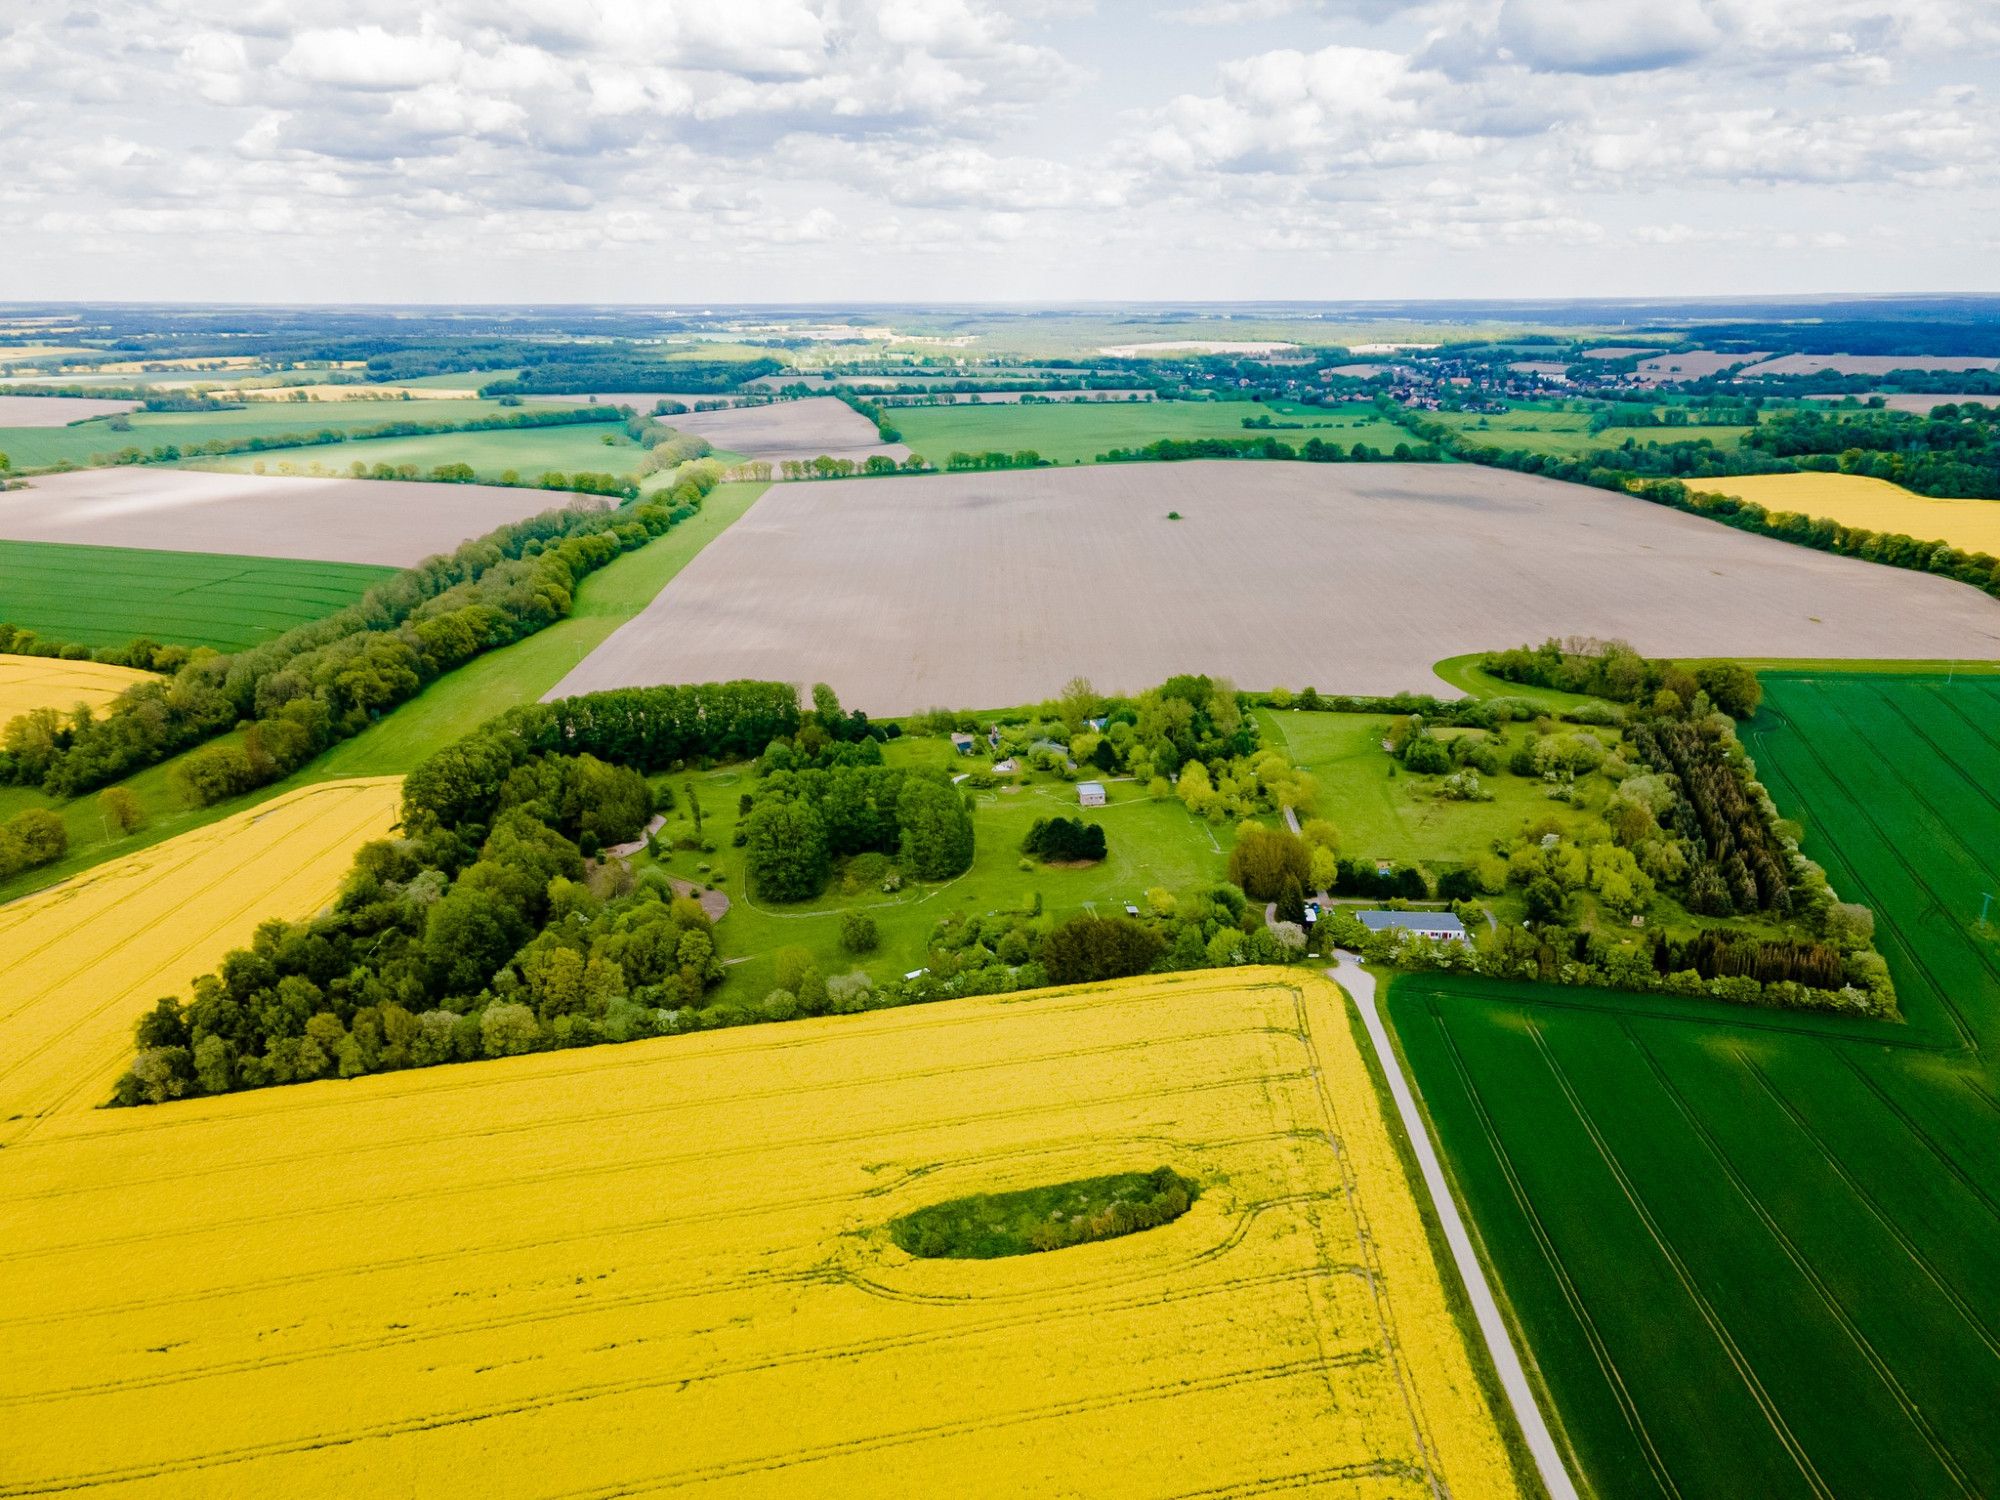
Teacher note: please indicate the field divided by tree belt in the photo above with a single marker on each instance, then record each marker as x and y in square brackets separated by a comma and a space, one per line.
[1758, 1254]
[104, 596]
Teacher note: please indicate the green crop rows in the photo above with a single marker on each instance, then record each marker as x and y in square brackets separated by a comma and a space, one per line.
[104, 596]
[1756, 1253]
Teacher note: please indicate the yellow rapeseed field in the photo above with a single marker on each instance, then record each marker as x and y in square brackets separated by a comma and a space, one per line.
[1855, 500]
[662, 1268]
[31, 682]
[81, 961]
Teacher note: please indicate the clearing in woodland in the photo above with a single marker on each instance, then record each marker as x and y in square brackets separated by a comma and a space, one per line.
[1755, 1252]
[668, 1265]
[1871, 504]
[107, 596]
[82, 961]
[31, 682]
[995, 589]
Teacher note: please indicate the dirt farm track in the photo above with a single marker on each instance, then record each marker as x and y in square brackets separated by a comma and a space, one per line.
[993, 589]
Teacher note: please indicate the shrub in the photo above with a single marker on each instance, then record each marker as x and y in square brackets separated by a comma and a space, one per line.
[858, 932]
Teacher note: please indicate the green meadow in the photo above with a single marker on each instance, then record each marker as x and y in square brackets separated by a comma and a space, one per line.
[81, 444]
[1079, 431]
[600, 448]
[105, 596]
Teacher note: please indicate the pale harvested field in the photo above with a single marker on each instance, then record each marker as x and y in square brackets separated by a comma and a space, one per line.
[31, 682]
[1548, 369]
[1876, 504]
[791, 429]
[1920, 402]
[1619, 351]
[1697, 364]
[983, 590]
[1869, 364]
[80, 962]
[662, 1268]
[57, 411]
[351, 393]
[250, 515]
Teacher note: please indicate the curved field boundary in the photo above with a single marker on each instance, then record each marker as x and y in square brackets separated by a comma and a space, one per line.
[664, 1244]
[83, 960]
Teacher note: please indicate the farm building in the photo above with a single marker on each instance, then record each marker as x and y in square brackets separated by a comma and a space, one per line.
[1441, 925]
[1090, 793]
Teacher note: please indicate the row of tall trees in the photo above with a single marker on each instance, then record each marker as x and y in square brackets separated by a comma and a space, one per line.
[328, 679]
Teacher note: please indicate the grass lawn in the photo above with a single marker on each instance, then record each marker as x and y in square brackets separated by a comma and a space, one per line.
[527, 451]
[1078, 431]
[1752, 1250]
[1149, 844]
[1465, 674]
[451, 706]
[44, 447]
[104, 596]
[1400, 818]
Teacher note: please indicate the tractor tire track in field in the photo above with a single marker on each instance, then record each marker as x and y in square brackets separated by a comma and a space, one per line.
[1973, 1319]
[1717, 1326]
[349, 1152]
[1801, 1263]
[1968, 1037]
[636, 1165]
[1552, 1257]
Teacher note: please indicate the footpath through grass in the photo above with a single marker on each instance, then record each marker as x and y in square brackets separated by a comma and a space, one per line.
[451, 706]
[105, 596]
[1756, 1253]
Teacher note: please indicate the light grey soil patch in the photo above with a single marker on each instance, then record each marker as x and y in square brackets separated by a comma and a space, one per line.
[393, 522]
[984, 590]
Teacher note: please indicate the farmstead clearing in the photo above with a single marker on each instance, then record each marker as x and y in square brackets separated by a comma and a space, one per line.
[993, 589]
[86, 958]
[31, 682]
[666, 1265]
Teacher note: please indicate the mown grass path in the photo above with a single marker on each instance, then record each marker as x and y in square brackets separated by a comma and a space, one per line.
[1754, 1252]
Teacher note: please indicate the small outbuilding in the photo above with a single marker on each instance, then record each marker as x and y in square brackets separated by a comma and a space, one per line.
[1441, 926]
[1090, 794]
[1006, 767]
[962, 743]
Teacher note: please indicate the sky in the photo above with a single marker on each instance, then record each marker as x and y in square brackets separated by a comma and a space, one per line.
[676, 151]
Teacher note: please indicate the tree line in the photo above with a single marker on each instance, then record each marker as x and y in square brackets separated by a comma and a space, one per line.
[325, 436]
[328, 679]
[450, 943]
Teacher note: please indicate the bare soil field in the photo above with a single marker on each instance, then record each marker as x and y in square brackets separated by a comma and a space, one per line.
[1920, 402]
[1869, 364]
[57, 411]
[1696, 364]
[1548, 369]
[791, 429]
[1194, 346]
[1618, 351]
[245, 515]
[983, 590]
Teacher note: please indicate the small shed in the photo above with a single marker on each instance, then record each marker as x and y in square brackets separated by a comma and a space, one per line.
[1090, 794]
[1006, 767]
[962, 743]
[1439, 925]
